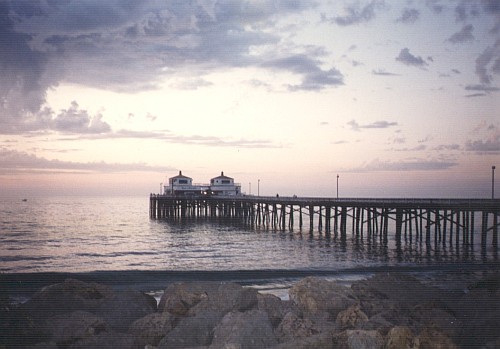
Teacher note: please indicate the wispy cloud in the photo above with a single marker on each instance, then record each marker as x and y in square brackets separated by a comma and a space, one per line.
[405, 165]
[383, 72]
[12, 161]
[374, 125]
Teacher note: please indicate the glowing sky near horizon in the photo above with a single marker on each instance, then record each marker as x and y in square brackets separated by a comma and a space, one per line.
[400, 98]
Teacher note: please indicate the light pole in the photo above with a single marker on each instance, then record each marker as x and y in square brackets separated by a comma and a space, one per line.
[249, 188]
[493, 182]
[258, 187]
[337, 186]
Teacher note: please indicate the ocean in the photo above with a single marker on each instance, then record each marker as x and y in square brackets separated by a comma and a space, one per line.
[113, 240]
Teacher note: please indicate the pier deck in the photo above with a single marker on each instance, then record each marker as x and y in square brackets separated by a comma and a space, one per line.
[449, 220]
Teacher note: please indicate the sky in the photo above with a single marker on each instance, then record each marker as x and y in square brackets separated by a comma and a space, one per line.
[386, 98]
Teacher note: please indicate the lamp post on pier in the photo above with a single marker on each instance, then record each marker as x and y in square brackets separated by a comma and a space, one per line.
[258, 187]
[337, 186]
[493, 182]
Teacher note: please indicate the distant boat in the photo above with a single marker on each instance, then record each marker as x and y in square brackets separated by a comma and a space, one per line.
[25, 200]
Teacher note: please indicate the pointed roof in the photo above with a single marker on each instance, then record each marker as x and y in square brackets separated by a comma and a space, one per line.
[222, 176]
[180, 175]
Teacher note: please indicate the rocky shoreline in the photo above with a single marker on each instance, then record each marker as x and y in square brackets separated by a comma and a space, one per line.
[387, 311]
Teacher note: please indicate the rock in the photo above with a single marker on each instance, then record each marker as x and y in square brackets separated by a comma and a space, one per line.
[183, 297]
[431, 338]
[314, 296]
[351, 318]
[69, 328]
[107, 340]
[292, 327]
[479, 311]
[249, 330]
[179, 297]
[401, 337]
[318, 341]
[44, 345]
[435, 316]
[275, 308]
[123, 308]
[192, 331]
[152, 328]
[66, 297]
[358, 339]
[393, 291]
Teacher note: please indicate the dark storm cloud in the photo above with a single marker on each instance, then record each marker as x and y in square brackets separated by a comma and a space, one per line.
[126, 45]
[407, 58]
[464, 35]
[409, 16]
[356, 14]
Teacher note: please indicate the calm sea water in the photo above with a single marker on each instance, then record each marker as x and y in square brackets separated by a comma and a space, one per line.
[115, 238]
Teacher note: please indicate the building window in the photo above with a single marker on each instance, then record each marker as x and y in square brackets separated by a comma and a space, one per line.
[226, 181]
[183, 181]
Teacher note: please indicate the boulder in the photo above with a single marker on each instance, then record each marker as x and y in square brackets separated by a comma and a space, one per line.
[351, 318]
[393, 291]
[275, 308]
[293, 327]
[249, 330]
[69, 328]
[431, 338]
[123, 308]
[358, 339]
[66, 297]
[401, 337]
[479, 311]
[318, 341]
[188, 298]
[315, 296]
[152, 328]
[192, 331]
[107, 340]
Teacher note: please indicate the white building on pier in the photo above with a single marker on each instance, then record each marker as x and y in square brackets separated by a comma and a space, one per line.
[222, 185]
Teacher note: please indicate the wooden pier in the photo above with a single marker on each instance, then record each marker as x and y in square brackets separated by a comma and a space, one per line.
[441, 220]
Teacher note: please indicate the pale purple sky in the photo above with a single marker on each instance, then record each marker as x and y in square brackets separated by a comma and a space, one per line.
[400, 98]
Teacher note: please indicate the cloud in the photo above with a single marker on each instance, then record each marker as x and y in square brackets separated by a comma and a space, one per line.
[314, 77]
[170, 137]
[409, 16]
[447, 147]
[377, 124]
[405, 165]
[489, 142]
[46, 42]
[383, 72]
[15, 161]
[75, 120]
[407, 58]
[485, 88]
[356, 14]
[464, 35]
[488, 62]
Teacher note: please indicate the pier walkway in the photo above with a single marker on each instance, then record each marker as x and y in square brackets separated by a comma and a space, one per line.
[448, 220]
